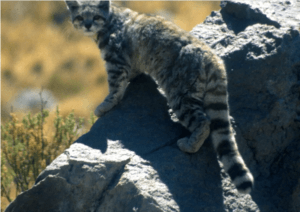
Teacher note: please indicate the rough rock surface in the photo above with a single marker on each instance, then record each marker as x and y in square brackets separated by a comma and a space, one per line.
[260, 45]
[129, 160]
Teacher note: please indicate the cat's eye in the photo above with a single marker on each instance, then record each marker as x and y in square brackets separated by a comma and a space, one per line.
[97, 17]
[78, 18]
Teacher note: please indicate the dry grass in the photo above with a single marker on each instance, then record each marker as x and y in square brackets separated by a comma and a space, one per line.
[40, 48]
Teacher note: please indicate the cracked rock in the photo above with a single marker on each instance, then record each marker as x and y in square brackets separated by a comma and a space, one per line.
[129, 161]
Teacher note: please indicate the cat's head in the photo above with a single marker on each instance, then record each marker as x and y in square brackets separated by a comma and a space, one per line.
[89, 16]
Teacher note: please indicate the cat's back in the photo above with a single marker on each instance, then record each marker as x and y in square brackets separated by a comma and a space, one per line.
[151, 35]
[154, 43]
[151, 29]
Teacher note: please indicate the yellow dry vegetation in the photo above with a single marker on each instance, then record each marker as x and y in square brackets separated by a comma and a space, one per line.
[40, 49]
[31, 144]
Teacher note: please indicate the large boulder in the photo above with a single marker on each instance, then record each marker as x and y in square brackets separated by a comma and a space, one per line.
[260, 44]
[129, 160]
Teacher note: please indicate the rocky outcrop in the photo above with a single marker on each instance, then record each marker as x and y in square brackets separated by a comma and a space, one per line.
[260, 45]
[129, 160]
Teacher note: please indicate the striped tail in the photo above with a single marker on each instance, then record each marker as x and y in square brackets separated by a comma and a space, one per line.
[216, 107]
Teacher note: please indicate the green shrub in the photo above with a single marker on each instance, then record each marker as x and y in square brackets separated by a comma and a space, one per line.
[26, 149]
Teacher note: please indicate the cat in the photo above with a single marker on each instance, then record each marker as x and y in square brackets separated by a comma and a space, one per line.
[192, 77]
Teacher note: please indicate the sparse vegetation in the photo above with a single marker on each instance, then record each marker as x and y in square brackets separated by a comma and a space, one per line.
[28, 146]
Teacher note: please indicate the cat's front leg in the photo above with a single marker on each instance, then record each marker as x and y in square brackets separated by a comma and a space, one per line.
[117, 82]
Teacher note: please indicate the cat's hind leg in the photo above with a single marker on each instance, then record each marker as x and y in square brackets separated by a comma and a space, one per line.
[191, 115]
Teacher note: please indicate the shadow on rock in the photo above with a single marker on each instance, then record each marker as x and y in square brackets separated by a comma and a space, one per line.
[142, 124]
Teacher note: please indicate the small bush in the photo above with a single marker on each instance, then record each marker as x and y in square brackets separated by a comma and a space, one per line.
[26, 150]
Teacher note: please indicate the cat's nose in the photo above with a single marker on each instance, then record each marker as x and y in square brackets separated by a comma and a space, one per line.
[88, 25]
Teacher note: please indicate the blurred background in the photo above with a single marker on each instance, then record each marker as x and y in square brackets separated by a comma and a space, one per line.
[43, 56]
[41, 51]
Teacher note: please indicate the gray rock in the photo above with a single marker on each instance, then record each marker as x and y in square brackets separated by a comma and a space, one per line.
[30, 99]
[82, 179]
[129, 160]
[260, 44]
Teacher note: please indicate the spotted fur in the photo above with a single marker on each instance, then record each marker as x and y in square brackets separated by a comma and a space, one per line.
[191, 75]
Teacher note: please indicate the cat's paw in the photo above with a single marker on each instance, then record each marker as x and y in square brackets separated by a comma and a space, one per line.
[99, 112]
[102, 109]
[185, 146]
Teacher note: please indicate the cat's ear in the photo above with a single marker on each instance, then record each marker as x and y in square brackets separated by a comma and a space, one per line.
[72, 5]
[104, 6]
